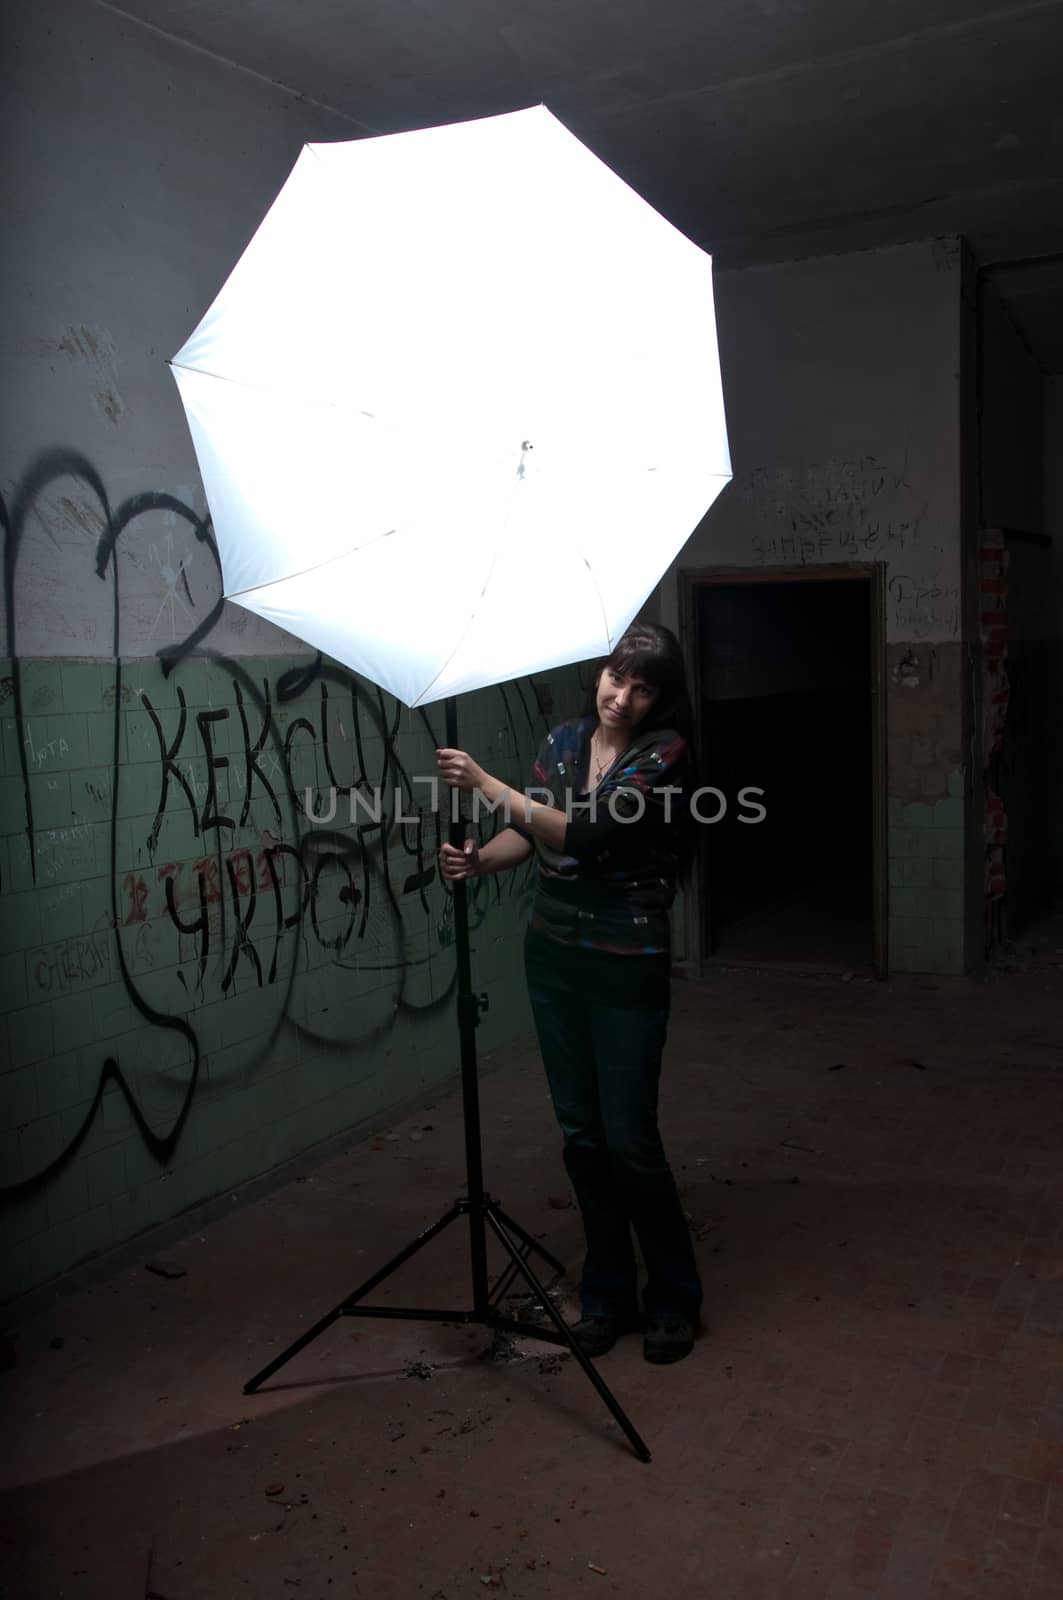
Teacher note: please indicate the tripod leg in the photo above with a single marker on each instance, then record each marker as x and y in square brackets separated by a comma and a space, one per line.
[638, 1444]
[522, 1233]
[351, 1299]
[529, 1244]
[502, 1283]
[293, 1350]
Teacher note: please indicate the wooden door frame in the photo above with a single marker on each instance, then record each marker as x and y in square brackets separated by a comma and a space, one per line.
[873, 573]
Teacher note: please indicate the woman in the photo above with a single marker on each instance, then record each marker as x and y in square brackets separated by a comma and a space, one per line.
[611, 845]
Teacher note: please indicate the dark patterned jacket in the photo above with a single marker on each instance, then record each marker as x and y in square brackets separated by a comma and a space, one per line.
[610, 886]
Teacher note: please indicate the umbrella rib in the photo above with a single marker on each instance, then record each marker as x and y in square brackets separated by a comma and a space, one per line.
[490, 574]
[601, 602]
[472, 619]
[219, 377]
[261, 388]
[461, 638]
[256, 588]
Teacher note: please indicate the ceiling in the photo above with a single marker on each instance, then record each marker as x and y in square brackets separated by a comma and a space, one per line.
[765, 129]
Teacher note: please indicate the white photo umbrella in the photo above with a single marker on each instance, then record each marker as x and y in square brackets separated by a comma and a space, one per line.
[456, 410]
[458, 405]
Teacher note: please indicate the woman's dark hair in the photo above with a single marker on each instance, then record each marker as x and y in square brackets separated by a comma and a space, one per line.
[652, 653]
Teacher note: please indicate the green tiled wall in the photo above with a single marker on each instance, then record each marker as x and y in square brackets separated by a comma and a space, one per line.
[926, 890]
[308, 1025]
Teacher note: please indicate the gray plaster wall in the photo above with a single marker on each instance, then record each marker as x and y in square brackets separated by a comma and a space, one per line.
[842, 382]
[135, 171]
[844, 378]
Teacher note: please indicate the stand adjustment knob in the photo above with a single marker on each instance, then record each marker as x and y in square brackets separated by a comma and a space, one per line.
[469, 1008]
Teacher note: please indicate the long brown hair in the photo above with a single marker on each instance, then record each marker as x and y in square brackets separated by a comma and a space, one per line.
[650, 652]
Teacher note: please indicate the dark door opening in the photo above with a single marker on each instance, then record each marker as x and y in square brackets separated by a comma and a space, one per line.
[786, 706]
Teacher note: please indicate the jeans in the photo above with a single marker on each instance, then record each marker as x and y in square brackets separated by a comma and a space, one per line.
[603, 1065]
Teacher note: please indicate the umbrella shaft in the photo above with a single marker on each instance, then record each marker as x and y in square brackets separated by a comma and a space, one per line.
[468, 1016]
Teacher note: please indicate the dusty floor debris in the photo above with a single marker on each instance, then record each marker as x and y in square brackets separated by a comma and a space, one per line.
[875, 1409]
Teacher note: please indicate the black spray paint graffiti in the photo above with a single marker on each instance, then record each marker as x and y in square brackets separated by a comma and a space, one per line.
[219, 916]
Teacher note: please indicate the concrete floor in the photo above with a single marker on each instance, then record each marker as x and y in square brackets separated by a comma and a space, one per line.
[875, 1178]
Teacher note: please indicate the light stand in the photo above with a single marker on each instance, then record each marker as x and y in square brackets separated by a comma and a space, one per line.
[482, 1211]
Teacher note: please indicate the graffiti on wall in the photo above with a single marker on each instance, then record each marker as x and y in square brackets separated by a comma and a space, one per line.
[923, 608]
[219, 884]
[862, 510]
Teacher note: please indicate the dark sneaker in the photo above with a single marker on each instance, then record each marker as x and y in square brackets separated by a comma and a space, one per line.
[668, 1338]
[596, 1333]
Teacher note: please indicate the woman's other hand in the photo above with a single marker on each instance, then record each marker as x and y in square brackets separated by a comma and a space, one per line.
[457, 864]
[460, 771]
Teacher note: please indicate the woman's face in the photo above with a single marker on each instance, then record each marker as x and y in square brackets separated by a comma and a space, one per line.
[622, 700]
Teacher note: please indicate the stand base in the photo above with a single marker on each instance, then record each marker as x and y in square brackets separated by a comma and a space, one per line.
[519, 1245]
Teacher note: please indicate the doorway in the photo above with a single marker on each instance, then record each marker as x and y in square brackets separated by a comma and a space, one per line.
[788, 683]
